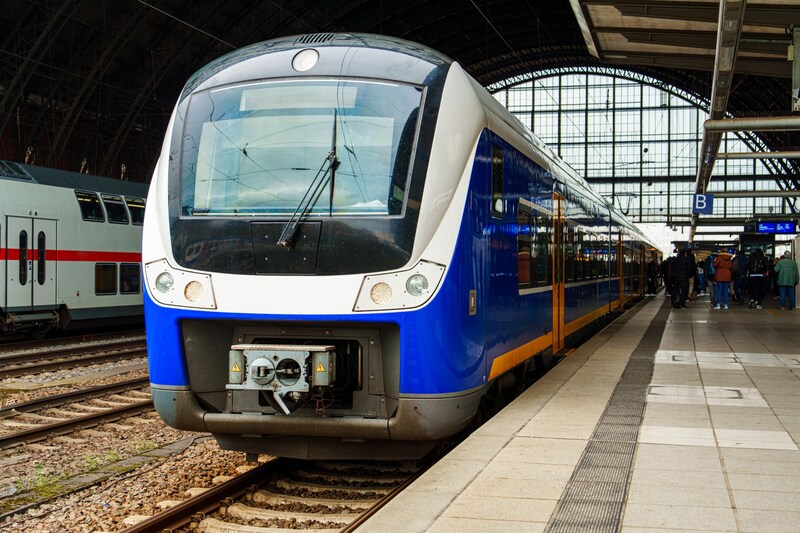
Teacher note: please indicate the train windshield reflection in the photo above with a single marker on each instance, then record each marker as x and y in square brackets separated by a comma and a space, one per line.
[255, 149]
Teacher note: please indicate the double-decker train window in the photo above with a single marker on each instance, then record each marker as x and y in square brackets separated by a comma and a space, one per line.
[497, 182]
[23, 257]
[41, 248]
[105, 278]
[117, 214]
[129, 278]
[136, 208]
[90, 206]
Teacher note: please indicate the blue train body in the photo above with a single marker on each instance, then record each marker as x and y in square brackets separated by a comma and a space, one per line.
[523, 262]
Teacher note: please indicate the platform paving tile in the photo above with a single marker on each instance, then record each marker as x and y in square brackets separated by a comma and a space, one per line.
[763, 482]
[448, 475]
[770, 440]
[685, 497]
[542, 450]
[772, 521]
[503, 508]
[678, 517]
[767, 500]
[529, 472]
[506, 487]
[488, 525]
[666, 457]
[772, 456]
[478, 448]
[678, 478]
[397, 518]
[676, 435]
[744, 421]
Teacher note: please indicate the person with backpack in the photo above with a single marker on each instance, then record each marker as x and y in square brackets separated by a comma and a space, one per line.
[722, 276]
[708, 266]
[756, 274]
[738, 273]
[787, 275]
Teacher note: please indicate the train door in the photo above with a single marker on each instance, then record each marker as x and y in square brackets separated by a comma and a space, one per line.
[31, 275]
[558, 272]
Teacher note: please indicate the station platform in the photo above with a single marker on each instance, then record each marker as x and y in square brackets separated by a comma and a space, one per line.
[667, 420]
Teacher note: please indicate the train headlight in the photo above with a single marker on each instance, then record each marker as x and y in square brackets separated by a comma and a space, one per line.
[194, 289]
[406, 289]
[417, 285]
[164, 282]
[381, 293]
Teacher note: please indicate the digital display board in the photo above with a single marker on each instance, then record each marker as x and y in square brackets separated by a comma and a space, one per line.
[776, 227]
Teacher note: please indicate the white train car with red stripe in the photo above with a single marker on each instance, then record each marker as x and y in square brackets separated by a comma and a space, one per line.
[70, 249]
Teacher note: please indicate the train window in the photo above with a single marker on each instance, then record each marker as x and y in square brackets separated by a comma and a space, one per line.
[569, 254]
[524, 246]
[542, 252]
[136, 208]
[497, 181]
[90, 206]
[257, 148]
[23, 257]
[105, 278]
[41, 248]
[117, 214]
[129, 278]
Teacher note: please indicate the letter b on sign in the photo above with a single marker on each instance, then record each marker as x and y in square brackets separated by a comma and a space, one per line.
[703, 203]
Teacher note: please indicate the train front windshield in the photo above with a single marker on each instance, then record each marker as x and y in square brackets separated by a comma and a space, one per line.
[260, 148]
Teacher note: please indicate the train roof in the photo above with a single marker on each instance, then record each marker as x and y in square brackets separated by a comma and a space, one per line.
[12, 171]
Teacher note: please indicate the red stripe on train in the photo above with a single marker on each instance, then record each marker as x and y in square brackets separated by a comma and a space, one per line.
[12, 254]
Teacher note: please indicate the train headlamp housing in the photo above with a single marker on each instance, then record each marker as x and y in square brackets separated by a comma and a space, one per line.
[406, 289]
[164, 282]
[172, 286]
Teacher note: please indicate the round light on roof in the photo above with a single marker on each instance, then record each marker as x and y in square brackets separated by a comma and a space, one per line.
[305, 60]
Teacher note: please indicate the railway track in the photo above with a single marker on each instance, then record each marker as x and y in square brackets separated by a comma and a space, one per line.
[57, 415]
[284, 495]
[49, 359]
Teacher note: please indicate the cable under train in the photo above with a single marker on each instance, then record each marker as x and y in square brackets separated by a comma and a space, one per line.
[70, 250]
[351, 247]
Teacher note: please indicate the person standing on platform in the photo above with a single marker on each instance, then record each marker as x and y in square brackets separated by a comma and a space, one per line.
[651, 272]
[708, 265]
[692, 274]
[756, 272]
[738, 273]
[680, 279]
[786, 271]
[722, 275]
[666, 275]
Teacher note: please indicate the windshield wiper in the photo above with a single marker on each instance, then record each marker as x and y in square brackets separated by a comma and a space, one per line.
[325, 174]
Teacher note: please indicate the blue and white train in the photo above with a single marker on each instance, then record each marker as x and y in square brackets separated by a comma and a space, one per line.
[350, 247]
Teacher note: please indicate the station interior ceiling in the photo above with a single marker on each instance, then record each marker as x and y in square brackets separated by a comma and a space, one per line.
[93, 83]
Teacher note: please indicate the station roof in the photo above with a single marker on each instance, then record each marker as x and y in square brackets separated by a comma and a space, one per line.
[99, 79]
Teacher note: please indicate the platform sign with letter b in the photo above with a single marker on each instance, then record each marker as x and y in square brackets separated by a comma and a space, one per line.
[703, 203]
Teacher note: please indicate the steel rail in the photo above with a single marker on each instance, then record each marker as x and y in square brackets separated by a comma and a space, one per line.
[36, 366]
[59, 428]
[206, 502]
[69, 397]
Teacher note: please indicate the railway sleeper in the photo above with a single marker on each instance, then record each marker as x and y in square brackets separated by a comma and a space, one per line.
[213, 525]
[244, 512]
[313, 487]
[266, 497]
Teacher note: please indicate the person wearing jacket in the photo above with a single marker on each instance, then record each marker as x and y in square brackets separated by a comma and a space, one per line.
[756, 274]
[680, 271]
[710, 281]
[722, 276]
[738, 272]
[786, 270]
